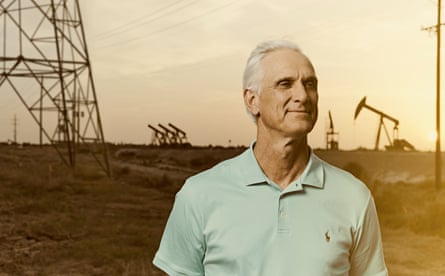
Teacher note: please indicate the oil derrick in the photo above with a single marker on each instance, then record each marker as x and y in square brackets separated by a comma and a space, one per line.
[331, 135]
[44, 61]
[394, 143]
[170, 137]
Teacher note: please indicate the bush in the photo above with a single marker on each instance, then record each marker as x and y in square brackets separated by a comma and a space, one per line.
[418, 207]
[203, 162]
[357, 170]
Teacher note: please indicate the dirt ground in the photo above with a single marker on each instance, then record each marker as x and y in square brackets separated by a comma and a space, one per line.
[54, 221]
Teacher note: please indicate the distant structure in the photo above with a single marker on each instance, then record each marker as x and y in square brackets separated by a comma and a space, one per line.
[168, 137]
[331, 135]
[15, 122]
[44, 60]
[394, 143]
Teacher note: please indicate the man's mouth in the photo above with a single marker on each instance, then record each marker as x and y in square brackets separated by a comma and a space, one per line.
[299, 111]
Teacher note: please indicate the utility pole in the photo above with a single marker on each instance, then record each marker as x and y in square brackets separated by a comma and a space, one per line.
[438, 154]
[41, 129]
[438, 150]
[14, 121]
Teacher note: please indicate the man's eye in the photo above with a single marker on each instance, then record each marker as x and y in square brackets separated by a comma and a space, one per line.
[285, 84]
[310, 84]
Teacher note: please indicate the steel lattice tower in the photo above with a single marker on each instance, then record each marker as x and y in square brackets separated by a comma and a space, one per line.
[44, 60]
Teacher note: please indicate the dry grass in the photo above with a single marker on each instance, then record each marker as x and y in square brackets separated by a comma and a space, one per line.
[82, 223]
[411, 216]
[417, 207]
[79, 223]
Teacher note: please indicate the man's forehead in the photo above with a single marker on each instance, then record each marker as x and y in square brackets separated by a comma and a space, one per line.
[276, 53]
[287, 61]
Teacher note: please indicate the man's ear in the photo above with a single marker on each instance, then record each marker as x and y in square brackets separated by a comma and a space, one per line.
[251, 100]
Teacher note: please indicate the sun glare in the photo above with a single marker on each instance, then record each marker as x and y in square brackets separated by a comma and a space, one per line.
[432, 136]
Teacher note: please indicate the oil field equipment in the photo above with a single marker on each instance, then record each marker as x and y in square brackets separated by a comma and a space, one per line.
[331, 135]
[180, 135]
[168, 137]
[158, 138]
[44, 60]
[394, 143]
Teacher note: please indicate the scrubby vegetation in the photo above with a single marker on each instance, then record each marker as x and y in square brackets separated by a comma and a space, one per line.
[57, 222]
[417, 207]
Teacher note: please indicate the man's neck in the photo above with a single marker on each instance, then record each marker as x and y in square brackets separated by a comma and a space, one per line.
[283, 160]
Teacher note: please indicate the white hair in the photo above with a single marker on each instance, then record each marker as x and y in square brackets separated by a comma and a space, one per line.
[253, 72]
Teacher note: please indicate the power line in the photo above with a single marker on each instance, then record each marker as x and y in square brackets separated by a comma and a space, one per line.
[135, 21]
[142, 20]
[168, 27]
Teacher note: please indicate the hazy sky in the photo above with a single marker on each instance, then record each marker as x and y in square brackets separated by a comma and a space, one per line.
[182, 61]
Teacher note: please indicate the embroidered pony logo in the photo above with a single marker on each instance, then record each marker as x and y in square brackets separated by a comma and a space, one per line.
[327, 236]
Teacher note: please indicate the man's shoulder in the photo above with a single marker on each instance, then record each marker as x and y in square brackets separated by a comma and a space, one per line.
[348, 196]
[342, 180]
[227, 171]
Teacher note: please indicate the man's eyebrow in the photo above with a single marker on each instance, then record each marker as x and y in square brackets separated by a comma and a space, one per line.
[310, 78]
[290, 79]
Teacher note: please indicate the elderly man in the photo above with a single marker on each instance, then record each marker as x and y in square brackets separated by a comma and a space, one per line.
[276, 209]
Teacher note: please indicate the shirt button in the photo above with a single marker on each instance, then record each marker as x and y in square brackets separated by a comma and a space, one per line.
[282, 213]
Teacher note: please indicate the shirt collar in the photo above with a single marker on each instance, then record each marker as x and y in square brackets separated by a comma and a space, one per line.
[313, 174]
[251, 170]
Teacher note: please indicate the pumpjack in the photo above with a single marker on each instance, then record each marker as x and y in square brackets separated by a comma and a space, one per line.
[180, 134]
[166, 137]
[171, 135]
[159, 138]
[395, 144]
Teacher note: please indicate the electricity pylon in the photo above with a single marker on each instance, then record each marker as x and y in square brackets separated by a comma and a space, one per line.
[44, 60]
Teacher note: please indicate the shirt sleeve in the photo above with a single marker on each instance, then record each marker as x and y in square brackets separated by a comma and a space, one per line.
[367, 252]
[182, 248]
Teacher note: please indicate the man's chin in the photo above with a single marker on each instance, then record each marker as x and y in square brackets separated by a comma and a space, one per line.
[299, 132]
[302, 127]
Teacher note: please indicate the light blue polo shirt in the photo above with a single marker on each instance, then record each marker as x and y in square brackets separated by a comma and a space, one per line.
[232, 220]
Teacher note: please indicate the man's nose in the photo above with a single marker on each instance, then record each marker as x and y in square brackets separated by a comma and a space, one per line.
[299, 93]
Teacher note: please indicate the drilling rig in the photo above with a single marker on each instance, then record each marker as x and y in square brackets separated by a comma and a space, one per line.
[331, 135]
[395, 144]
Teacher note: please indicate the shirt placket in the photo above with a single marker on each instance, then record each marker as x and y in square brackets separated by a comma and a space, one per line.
[283, 215]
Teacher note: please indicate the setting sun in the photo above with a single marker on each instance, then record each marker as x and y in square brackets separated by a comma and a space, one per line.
[432, 136]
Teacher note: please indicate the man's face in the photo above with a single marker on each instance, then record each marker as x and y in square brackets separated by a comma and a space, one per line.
[288, 101]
